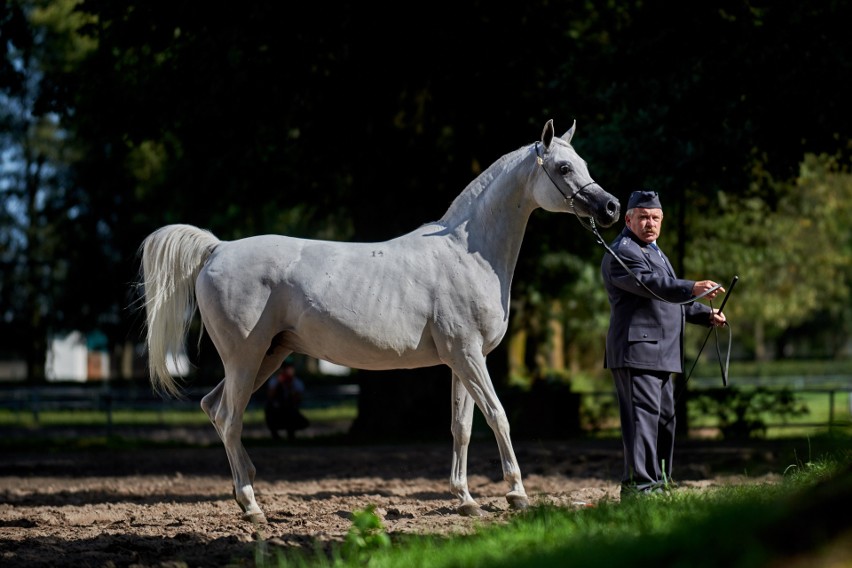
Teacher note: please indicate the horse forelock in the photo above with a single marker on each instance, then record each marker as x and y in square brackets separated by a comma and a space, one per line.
[563, 145]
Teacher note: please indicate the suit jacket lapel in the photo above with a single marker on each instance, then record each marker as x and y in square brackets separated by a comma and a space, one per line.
[658, 258]
[667, 264]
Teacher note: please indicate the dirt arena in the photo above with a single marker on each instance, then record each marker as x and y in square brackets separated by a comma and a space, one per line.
[173, 507]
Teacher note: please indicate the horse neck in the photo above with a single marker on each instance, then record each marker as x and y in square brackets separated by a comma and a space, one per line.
[492, 213]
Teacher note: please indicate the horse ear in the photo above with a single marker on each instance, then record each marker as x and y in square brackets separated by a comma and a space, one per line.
[547, 134]
[570, 134]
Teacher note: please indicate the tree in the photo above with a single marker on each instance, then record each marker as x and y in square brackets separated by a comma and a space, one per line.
[258, 119]
[792, 257]
[40, 205]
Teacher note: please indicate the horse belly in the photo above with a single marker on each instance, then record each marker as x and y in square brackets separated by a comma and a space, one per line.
[370, 342]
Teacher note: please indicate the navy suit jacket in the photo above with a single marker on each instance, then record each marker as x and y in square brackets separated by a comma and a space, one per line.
[644, 332]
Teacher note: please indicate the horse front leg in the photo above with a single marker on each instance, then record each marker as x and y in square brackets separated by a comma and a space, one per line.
[473, 373]
[225, 406]
[462, 425]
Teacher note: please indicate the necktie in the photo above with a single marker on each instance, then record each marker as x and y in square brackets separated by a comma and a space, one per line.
[668, 266]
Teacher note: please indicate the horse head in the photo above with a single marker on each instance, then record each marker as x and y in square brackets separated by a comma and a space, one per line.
[567, 184]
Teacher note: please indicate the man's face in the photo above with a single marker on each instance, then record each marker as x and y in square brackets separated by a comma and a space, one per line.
[645, 223]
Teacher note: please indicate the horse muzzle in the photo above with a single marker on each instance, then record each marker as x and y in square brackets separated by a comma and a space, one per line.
[605, 209]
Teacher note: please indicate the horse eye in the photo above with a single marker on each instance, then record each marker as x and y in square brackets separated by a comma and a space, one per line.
[564, 169]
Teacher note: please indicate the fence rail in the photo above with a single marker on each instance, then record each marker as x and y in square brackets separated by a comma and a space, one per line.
[33, 401]
[833, 394]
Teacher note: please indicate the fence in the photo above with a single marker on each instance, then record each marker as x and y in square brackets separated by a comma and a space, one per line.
[33, 401]
[835, 388]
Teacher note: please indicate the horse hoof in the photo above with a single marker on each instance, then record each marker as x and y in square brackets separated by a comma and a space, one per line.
[519, 502]
[256, 518]
[470, 510]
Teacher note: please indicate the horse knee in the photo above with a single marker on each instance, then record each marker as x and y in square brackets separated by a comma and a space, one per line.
[497, 420]
[461, 433]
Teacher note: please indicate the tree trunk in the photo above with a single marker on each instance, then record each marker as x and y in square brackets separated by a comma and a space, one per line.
[555, 356]
[404, 404]
[760, 352]
[37, 342]
[517, 352]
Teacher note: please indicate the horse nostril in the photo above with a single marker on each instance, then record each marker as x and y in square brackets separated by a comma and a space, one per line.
[612, 207]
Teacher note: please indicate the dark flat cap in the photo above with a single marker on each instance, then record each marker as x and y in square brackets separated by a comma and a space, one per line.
[644, 199]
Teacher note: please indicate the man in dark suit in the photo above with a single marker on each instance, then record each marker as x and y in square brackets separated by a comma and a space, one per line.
[644, 344]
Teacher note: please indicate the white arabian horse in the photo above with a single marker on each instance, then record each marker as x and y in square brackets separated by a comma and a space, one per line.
[437, 295]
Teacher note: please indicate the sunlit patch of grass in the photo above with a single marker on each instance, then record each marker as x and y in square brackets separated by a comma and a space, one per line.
[751, 525]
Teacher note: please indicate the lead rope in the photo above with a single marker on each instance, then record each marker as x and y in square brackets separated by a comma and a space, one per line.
[724, 368]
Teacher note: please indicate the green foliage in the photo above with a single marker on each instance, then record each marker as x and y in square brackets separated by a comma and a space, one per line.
[366, 536]
[364, 541]
[599, 413]
[792, 252]
[740, 414]
[39, 206]
[257, 121]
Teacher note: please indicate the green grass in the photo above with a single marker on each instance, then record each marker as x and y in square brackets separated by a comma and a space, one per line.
[821, 405]
[183, 417]
[819, 412]
[774, 369]
[46, 432]
[753, 525]
[823, 413]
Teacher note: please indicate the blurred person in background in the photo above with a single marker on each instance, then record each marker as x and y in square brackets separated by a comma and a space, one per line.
[284, 394]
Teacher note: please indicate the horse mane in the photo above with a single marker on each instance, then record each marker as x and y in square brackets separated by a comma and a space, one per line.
[461, 205]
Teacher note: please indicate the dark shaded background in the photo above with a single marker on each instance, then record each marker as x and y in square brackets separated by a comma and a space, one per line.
[350, 122]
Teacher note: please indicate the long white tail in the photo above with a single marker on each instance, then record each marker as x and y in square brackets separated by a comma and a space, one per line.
[172, 257]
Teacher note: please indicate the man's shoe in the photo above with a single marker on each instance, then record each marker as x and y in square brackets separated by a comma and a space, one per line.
[633, 490]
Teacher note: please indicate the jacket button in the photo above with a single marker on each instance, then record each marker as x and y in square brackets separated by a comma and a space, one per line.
[644, 335]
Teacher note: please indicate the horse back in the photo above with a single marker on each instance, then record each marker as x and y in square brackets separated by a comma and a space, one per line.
[376, 298]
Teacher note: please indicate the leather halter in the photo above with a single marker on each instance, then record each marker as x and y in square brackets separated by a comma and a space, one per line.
[539, 158]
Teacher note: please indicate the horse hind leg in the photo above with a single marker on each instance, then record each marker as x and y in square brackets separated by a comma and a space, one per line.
[462, 425]
[272, 360]
[473, 374]
[210, 404]
[225, 405]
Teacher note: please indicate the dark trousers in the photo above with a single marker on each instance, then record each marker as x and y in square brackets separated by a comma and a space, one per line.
[647, 408]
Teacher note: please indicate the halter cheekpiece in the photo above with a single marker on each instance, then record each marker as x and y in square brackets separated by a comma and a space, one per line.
[539, 158]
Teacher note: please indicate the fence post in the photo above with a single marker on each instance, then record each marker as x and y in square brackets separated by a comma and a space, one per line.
[35, 403]
[108, 397]
[830, 410]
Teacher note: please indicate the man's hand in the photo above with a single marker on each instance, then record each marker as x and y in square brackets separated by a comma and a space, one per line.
[717, 318]
[703, 285]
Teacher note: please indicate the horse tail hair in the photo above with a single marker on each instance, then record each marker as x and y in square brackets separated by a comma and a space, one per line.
[172, 257]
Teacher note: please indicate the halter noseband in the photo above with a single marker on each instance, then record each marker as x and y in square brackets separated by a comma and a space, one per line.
[539, 158]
